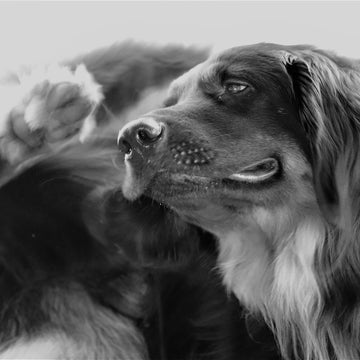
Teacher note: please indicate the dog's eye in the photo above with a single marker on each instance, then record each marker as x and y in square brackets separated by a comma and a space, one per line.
[235, 87]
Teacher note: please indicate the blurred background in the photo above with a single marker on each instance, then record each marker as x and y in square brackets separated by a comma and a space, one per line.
[32, 32]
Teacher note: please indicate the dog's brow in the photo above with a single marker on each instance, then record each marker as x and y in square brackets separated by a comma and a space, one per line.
[174, 91]
[211, 78]
[212, 73]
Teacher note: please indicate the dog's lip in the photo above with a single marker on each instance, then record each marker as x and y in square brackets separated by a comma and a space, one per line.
[256, 172]
[167, 185]
[181, 177]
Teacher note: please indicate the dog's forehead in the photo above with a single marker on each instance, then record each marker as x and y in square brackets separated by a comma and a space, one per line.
[266, 57]
[250, 55]
[188, 80]
[261, 50]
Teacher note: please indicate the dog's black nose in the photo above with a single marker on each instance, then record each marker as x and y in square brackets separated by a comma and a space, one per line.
[142, 136]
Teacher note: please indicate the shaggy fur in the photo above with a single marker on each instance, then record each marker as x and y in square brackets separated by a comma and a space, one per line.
[260, 146]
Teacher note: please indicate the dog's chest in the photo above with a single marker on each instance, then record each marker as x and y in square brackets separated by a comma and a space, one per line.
[260, 270]
[244, 261]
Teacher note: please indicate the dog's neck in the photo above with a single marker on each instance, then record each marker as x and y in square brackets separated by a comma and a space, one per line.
[245, 263]
[268, 263]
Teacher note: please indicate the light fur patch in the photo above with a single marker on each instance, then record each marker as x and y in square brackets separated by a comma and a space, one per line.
[77, 329]
[46, 347]
[293, 267]
[53, 75]
[11, 95]
[244, 263]
[28, 93]
[26, 96]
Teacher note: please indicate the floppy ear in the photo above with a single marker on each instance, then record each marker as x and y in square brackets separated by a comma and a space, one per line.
[299, 72]
[325, 92]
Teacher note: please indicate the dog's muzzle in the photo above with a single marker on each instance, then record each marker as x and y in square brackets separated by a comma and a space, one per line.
[141, 138]
[140, 141]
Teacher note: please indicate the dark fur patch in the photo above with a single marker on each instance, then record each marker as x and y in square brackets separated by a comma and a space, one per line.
[140, 269]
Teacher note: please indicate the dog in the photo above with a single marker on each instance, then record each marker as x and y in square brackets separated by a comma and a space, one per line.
[259, 145]
[86, 274]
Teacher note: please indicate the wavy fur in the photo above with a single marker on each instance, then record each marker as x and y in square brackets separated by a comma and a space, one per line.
[329, 103]
[314, 303]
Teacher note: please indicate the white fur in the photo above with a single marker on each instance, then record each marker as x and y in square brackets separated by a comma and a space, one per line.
[53, 75]
[244, 262]
[293, 267]
[48, 347]
[10, 95]
[28, 95]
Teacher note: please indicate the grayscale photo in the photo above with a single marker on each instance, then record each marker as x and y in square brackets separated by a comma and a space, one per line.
[180, 180]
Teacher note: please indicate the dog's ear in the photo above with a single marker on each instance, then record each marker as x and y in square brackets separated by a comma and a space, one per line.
[299, 71]
[324, 88]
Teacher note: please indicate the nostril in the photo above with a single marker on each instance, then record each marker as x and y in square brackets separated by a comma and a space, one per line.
[144, 136]
[147, 136]
[125, 147]
[140, 136]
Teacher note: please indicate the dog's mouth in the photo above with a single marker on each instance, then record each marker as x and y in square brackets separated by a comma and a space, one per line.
[179, 184]
[257, 172]
[252, 174]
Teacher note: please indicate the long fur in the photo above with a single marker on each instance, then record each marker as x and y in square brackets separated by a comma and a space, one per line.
[330, 103]
[320, 319]
[314, 304]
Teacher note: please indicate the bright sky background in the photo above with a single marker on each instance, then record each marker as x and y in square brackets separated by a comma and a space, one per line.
[46, 31]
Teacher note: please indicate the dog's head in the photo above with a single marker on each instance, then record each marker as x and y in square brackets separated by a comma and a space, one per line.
[229, 139]
[259, 145]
